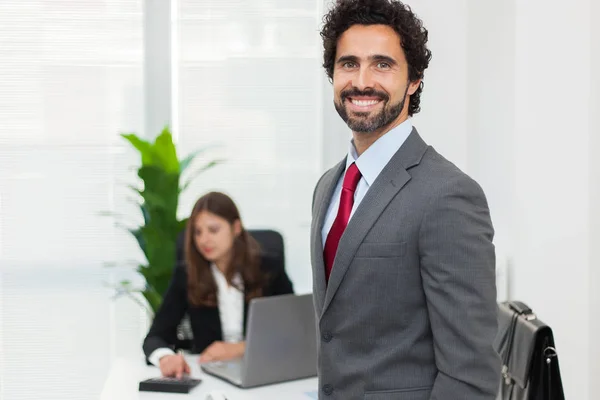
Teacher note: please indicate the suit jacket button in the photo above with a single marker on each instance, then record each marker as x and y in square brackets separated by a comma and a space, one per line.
[327, 336]
[327, 389]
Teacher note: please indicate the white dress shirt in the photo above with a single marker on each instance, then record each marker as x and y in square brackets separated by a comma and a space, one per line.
[231, 306]
[370, 164]
[231, 312]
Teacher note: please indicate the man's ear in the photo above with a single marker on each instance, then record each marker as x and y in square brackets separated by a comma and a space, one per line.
[413, 86]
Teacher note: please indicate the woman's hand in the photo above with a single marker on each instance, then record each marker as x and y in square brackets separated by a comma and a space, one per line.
[174, 366]
[221, 351]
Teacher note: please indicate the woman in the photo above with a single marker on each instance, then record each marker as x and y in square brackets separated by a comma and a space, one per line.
[222, 272]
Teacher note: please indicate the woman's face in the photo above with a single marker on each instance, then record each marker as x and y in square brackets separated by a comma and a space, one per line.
[214, 236]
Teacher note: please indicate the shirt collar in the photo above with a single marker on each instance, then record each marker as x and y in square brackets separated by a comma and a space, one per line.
[378, 155]
[220, 277]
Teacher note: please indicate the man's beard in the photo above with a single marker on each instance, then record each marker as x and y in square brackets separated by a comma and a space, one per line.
[360, 121]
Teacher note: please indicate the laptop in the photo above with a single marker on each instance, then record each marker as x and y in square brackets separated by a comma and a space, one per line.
[281, 343]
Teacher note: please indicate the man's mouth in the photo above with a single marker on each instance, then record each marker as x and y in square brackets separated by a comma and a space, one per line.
[363, 104]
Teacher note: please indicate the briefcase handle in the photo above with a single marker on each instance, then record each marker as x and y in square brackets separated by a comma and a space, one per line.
[522, 309]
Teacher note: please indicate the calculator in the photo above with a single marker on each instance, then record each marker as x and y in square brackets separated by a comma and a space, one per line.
[169, 385]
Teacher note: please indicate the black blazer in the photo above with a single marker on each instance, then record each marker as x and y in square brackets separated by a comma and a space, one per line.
[205, 321]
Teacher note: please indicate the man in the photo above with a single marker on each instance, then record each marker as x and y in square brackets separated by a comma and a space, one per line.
[402, 253]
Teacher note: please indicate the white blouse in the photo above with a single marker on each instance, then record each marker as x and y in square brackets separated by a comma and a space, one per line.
[231, 312]
[231, 306]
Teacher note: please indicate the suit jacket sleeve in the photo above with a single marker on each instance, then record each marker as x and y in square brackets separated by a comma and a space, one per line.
[315, 191]
[163, 332]
[459, 281]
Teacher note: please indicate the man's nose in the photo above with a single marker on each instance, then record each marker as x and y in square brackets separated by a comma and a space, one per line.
[363, 79]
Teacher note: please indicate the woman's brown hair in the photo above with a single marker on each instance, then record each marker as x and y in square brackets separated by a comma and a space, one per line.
[202, 288]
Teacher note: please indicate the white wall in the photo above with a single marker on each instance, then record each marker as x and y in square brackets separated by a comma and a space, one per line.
[552, 181]
[529, 134]
[157, 66]
[594, 182]
[442, 121]
[491, 114]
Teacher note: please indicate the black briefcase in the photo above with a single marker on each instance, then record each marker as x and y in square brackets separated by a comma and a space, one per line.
[530, 368]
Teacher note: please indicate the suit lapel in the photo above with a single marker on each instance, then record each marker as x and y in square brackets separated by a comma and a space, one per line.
[389, 182]
[323, 194]
[210, 320]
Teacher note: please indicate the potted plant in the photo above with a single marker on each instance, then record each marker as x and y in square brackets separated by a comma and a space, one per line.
[160, 173]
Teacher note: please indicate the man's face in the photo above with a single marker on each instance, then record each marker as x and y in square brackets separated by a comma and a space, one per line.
[370, 78]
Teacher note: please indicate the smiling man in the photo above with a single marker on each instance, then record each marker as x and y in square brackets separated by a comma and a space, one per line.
[401, 246]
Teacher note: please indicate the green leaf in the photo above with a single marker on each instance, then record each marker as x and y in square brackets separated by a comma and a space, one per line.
[144, 147]
[134, 188]
[139, 237]
[154, 200]
[145, 214]
[111, 264]
[122, 226]
[114, 264]
[185, 163]
[182, 224]
[160, 248]
[117, 216]
[132, 294]
[199, 171]
[164, 149]
[160, 194]
[153, 298]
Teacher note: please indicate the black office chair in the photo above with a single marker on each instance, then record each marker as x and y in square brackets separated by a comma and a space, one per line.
[271, 244]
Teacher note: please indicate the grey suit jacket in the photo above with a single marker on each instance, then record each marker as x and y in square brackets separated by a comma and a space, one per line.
[410, 309]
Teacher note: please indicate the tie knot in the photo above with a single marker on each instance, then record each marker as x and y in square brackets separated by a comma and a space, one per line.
[352, 177]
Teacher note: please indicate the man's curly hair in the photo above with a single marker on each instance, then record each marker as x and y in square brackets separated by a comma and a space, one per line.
[392, 13]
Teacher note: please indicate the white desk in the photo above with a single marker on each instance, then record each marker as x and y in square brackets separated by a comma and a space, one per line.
[125, 375]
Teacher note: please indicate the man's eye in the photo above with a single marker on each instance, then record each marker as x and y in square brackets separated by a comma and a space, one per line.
[383, 65]
[349, 64]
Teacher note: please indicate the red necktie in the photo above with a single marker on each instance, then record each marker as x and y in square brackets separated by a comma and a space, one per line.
[341, 220]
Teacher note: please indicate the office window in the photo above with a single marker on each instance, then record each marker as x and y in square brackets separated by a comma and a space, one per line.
[247, 77]
[70, 80]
